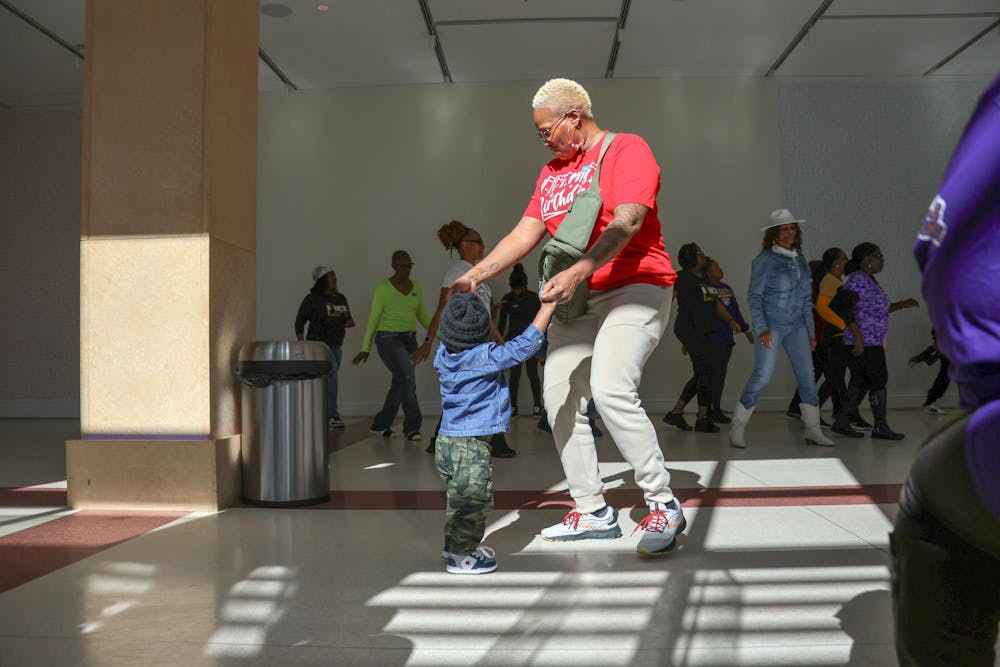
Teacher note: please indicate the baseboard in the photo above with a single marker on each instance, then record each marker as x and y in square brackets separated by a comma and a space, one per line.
[658, 405]
[40, 408]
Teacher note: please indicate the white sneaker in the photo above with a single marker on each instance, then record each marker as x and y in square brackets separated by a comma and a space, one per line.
[934, 410]
[481, 561]
[336, 422]
[662, 524]
[576, 526]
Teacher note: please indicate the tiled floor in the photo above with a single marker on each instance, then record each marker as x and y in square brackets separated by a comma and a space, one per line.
[784, 563]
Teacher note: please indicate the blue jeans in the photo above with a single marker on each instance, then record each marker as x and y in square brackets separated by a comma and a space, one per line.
[395, 348]
[796, 343]
[337, 356]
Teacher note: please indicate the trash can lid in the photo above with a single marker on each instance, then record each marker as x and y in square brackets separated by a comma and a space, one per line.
[286, 350]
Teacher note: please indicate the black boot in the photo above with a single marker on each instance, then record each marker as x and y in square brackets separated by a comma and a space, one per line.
[793, 410]
[842, 422]
[500, 448]
[881, 429]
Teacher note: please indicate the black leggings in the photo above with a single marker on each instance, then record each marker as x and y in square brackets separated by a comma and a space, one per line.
[945, 561]
[700, 352]
[717, 358]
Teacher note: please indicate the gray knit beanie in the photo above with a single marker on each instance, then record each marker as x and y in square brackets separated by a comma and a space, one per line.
[465, 323]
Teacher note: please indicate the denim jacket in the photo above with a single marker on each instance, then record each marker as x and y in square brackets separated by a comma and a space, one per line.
[780, 293]
[475, 399]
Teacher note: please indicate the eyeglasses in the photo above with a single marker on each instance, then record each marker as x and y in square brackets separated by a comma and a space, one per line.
[545, 134]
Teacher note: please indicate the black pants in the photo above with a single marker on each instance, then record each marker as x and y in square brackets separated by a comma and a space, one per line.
[869, 371]
[945, 561]
[718, 354]
[514, 380]
[700, 353]
[940, 385]
[821, 369]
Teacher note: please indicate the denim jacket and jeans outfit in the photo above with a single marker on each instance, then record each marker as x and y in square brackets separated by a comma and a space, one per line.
[475, 403]
[780, 299]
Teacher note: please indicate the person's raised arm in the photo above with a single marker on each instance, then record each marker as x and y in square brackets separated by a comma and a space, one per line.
[519, 242]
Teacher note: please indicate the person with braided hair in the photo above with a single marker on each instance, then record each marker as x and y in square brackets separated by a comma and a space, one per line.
[457, 237]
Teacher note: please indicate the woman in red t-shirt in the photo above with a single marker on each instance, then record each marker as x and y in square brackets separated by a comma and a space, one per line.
[600, 354]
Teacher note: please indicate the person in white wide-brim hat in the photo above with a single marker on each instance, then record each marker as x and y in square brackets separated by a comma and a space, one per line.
[780, 298]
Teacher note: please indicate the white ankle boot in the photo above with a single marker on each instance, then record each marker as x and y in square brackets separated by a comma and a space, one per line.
[813, 434]
[740, 418]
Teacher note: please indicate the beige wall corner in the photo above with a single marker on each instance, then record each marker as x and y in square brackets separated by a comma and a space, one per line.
[191, 475]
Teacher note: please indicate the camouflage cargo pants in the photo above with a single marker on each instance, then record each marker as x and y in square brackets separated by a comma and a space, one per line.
[464, 464]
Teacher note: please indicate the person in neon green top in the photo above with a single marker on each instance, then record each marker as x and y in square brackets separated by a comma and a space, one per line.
[397, 304]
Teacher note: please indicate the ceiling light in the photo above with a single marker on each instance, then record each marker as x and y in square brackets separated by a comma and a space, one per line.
[322, 8]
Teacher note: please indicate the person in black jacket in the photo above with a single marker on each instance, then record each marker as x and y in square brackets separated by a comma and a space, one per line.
[698, 309]
[326, 312]
[518, 308]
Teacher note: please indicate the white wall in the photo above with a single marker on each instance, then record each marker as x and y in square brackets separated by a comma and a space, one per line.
[348, 177]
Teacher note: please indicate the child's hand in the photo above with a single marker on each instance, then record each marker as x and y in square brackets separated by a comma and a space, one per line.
[548, 306]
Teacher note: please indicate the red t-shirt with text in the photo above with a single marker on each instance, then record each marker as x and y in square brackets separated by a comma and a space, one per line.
[629, 175]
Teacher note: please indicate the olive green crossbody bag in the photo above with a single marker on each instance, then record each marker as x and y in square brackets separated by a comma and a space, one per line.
[571, 239]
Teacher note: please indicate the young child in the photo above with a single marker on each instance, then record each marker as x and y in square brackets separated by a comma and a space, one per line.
[475, 403]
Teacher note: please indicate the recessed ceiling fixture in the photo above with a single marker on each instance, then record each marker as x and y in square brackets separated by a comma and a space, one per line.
[275, 10]
[322, 8]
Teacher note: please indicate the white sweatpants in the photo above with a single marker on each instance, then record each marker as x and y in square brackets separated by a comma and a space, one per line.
[601, 355]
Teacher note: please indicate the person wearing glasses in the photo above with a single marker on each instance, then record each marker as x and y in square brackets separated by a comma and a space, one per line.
[871, 313]
[396, 306]
[601, 353]
[780, 299]
[946, 540]
[468, 243]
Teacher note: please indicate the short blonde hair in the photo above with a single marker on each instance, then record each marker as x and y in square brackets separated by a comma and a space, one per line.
[562, 96]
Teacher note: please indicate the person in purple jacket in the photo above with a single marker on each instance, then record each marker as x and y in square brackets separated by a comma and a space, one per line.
[946, 540]
[869, 371]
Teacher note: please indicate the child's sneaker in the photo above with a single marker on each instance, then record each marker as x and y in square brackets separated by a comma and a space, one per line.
[336, 422]
[602, 525]
[661, 526]
[385, 432]
[930, 408]
[481, 561]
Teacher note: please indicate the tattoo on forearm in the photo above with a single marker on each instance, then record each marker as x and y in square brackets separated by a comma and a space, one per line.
[488, 271]
[626, 223]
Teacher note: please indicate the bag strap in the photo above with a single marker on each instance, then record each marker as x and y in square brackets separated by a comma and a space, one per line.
[574, 226]
[595, 183]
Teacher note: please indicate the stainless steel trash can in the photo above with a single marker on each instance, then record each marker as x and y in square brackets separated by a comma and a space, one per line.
[285, 413]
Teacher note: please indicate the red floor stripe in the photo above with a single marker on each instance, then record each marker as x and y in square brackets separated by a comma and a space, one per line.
[771, 496]
[37, 551]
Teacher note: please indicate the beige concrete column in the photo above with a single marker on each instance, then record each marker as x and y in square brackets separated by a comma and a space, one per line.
[168, 244]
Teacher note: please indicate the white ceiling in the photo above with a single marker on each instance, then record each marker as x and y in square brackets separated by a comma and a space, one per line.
[413, 42]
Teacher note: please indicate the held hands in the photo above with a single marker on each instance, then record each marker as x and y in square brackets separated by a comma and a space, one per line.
[560, 287]
[765, 339]
[360, 359]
